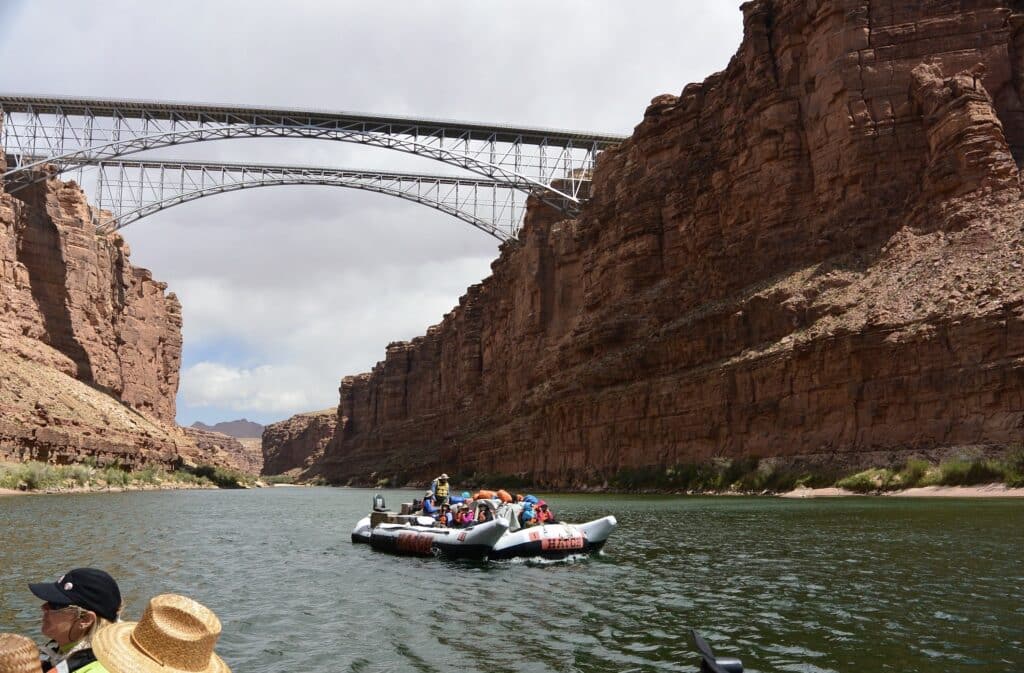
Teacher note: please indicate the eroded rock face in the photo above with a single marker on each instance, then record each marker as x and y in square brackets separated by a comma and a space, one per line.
[298, 442]
[816, 252]
[71, 302]
[220, 450]
[117, 325]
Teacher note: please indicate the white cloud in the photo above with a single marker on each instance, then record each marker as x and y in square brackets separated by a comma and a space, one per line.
[285, 290]
[261, 389]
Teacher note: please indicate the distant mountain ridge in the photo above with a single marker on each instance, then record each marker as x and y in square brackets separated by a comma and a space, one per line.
[240, 429]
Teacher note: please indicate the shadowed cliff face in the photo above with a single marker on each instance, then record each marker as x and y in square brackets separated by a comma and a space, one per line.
[71, 305]
[815, 253]
[39, 250]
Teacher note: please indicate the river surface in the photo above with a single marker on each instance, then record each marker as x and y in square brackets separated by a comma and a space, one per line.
[850, 585]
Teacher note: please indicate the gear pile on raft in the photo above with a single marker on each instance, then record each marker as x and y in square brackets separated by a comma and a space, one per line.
[486, 525]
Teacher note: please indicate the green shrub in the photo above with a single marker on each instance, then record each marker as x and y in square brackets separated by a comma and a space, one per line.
[223, 477]
[870, 481]
[914, 473]
[81, 475]
[1014, 469]
[279, 479]
[39, 476]
[962, 472]
[115, 477]
[148, 475]
[186, 477]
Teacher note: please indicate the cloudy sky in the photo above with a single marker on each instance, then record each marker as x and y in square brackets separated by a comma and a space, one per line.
[286, 290]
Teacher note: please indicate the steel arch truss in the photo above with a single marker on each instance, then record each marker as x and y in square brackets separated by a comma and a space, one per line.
[65, 132]
[127, 191]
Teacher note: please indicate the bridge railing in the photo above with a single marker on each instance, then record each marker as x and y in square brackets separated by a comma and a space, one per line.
[65, 131]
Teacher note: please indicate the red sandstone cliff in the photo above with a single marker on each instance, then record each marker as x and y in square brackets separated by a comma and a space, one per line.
[90, 345]
[221, 450]
[298, 442]
[816, 253]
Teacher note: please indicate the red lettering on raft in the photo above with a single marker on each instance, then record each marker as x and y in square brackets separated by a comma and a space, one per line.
[415, 544]
[561, 543]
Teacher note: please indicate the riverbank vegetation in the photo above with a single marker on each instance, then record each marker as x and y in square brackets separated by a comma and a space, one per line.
[36, 476]
[951, 472]
[753, 475]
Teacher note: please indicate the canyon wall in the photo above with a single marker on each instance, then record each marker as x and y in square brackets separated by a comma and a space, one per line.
[221, 450]
[298, 442]
[91, 345]
[815, 253]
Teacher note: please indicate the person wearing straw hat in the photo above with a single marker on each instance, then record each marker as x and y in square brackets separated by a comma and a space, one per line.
[440, 488]
[75, 607]
[18, 654]
[175, 634]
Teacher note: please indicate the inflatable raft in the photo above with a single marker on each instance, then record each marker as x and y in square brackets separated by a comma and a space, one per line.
[474, 542]
[499, 538]
[554, 541]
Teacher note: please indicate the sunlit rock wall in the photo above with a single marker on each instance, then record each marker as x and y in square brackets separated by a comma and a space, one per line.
[815, 253]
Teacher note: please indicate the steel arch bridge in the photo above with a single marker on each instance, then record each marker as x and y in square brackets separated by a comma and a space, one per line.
[127, 191]
[67, 131]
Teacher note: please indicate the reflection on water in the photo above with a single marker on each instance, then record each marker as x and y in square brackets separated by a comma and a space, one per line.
[845, 585]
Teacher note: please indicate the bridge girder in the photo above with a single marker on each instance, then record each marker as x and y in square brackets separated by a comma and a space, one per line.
[127, 191]
[64, 132]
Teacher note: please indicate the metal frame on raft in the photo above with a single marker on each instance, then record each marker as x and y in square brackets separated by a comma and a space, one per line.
[127, 191]
[65, 132]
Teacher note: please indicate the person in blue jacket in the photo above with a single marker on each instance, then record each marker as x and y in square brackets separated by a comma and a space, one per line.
[430, 507]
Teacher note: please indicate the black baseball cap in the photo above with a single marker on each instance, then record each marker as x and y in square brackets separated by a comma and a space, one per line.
[87, 588]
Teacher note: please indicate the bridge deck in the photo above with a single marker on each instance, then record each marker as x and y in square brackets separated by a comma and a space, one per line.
[197, 112]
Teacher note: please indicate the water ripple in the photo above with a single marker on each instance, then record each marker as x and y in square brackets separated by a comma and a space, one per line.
[850, 585]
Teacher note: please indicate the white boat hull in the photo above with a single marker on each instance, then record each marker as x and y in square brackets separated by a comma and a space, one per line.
[475, 542]
[361, 533]
[555, 540]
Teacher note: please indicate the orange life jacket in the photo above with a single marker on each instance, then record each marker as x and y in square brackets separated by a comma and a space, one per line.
[483, 495]
[503, 495]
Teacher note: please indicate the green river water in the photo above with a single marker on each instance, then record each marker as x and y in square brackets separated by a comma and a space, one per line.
[850, 585]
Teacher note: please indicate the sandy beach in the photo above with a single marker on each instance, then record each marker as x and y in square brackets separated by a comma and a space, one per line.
[980, 491]
[112, 489]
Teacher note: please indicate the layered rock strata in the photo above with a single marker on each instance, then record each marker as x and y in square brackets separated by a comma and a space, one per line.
[298, 442]
[76, 316]
[220, 450]
[815, 253]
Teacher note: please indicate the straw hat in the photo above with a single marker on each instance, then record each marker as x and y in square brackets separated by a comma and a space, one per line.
[175, 634]
[18, 654]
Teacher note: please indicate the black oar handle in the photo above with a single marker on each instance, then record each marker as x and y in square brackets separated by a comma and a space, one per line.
[711, 664]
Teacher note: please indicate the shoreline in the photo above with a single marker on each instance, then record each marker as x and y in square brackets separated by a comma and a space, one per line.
[9, 492]
[977, 491]
[995, 490]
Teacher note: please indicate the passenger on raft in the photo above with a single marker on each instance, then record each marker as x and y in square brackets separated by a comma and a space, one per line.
[527, 518]
[430, 507]
[175, 635]
[444, 517]
[463, 516]
[18, 654]
[543, 514]
[440, 488]
[75, 607]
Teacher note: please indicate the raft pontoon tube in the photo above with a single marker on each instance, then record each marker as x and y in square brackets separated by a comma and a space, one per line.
[499, 539]
[555, 541]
